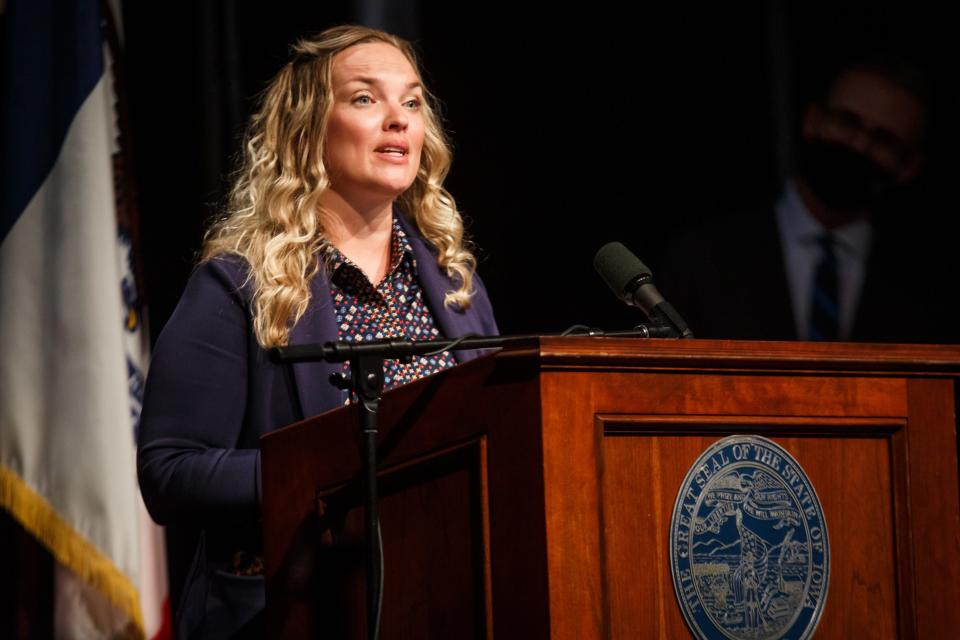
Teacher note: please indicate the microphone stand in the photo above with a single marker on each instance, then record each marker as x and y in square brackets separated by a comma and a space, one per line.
[366, 381]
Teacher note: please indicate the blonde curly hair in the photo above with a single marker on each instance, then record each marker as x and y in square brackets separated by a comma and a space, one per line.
[272, 217]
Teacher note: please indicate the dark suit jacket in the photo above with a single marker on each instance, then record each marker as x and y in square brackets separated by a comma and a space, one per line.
[212, 392]
[728, 280]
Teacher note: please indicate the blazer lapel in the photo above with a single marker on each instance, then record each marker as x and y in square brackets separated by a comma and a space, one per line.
[318, 325]
[451, 321]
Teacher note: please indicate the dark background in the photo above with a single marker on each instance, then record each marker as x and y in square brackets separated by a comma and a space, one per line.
[570, 127]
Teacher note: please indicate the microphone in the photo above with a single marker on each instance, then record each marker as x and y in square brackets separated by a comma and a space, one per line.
[632, 282]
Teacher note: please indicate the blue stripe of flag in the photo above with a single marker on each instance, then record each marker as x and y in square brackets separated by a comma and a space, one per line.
[52, 60]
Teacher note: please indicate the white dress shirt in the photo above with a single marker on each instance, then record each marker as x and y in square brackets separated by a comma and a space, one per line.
[799, 232]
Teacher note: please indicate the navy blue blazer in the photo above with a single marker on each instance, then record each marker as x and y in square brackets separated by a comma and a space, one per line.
[212, 392]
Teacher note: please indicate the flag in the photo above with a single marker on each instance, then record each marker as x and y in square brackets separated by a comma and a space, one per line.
[72, 342]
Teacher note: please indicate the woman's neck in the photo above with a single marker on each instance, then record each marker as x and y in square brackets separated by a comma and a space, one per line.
[360, 231]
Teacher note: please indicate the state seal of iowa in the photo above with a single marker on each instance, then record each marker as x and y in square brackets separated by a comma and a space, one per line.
[749, 551]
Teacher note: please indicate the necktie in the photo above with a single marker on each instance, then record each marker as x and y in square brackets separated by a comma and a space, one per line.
[825, 311]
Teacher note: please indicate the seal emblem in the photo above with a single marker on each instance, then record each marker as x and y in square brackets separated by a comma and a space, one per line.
[748, 544]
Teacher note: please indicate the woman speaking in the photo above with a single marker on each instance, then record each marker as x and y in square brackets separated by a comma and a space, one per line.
[338, 228]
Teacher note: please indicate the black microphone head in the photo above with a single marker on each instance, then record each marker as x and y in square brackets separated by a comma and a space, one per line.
[619, 268]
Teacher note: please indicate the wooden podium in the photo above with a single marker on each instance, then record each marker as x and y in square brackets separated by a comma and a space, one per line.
[528, 494]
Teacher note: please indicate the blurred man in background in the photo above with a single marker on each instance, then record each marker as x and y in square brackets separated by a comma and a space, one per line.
[841, 255]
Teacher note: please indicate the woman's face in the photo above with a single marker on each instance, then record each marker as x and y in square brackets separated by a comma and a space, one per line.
[375, 130]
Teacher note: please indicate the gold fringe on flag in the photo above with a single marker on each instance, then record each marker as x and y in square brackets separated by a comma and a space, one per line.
[69, 548]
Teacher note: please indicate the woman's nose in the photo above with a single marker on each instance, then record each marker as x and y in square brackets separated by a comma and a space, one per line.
[396, 118]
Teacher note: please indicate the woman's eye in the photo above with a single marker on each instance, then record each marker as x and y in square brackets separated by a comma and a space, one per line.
[413, 103]
[363, 100]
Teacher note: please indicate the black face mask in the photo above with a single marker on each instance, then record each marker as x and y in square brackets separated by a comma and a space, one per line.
[845, 180]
